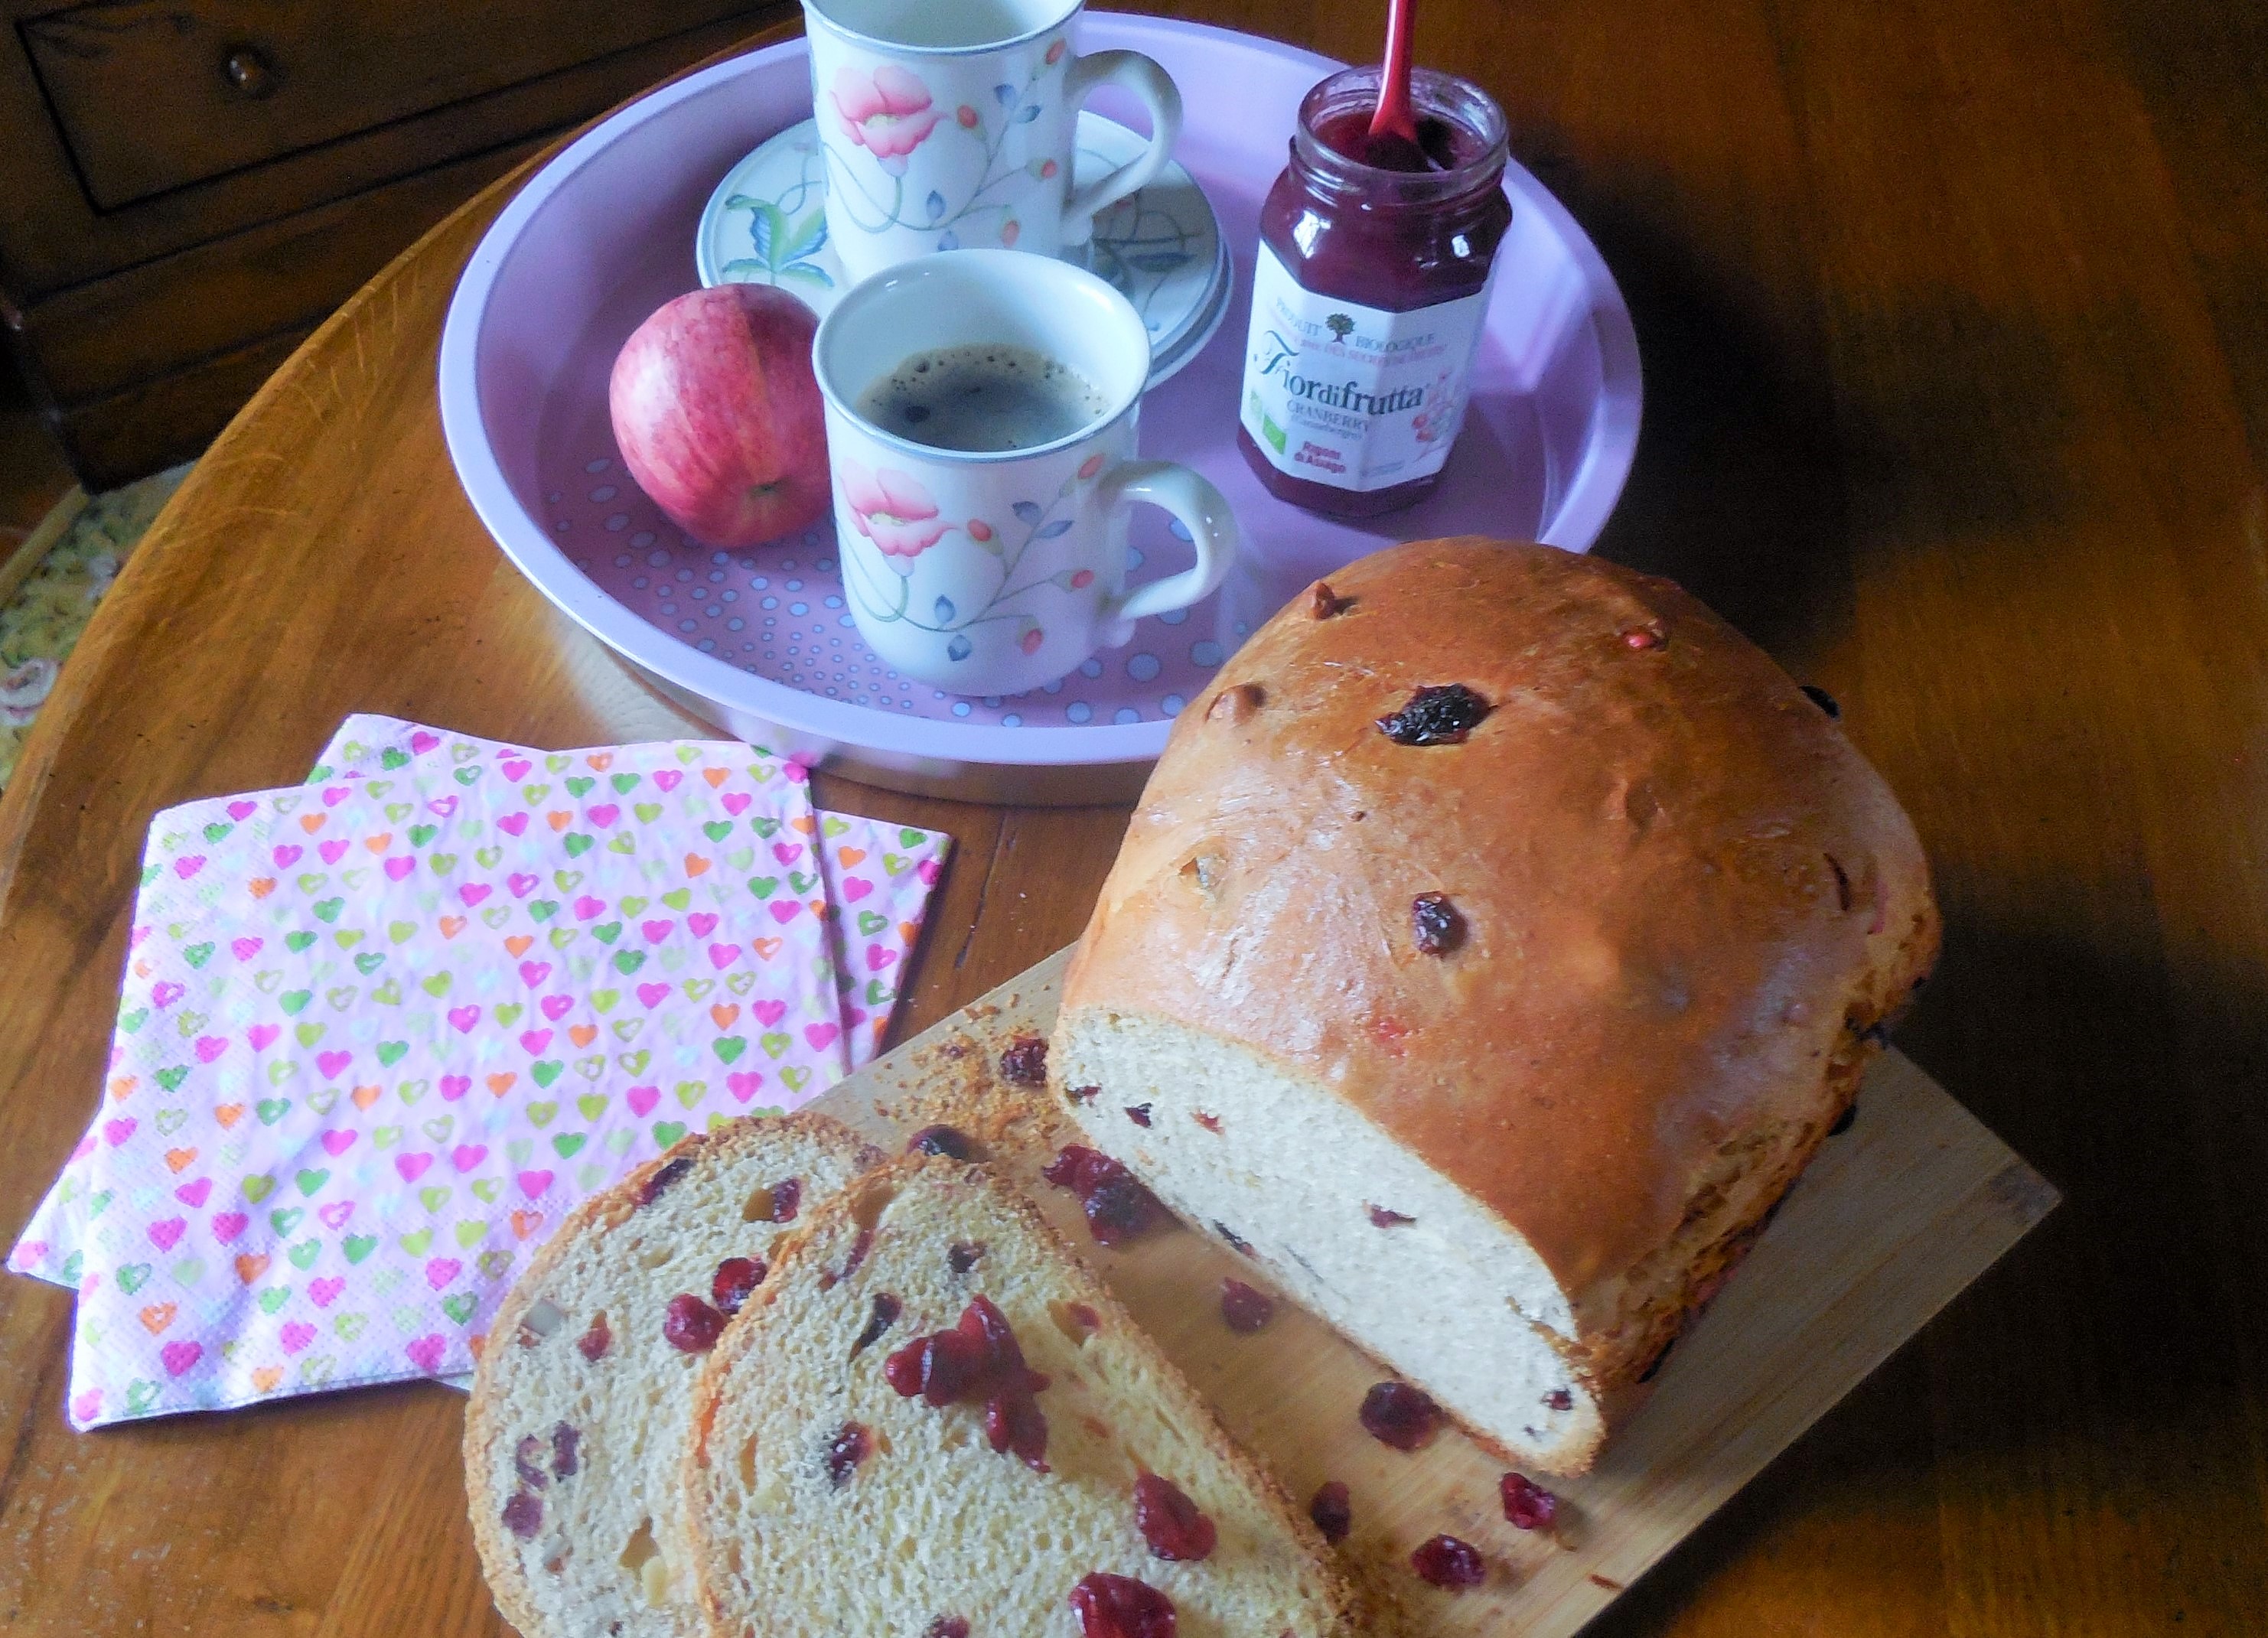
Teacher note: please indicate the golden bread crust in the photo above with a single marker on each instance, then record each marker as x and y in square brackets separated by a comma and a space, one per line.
[1687, 906]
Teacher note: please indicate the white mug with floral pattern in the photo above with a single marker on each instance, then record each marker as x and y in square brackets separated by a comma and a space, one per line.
[991, 572]
[948, 124]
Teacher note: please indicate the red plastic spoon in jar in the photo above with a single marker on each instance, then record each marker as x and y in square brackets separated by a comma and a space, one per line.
[1393, 143]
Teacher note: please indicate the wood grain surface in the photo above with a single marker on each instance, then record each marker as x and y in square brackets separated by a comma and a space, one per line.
[1892, 1220]
[1957, 397]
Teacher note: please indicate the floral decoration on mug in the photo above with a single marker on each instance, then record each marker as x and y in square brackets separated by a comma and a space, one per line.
[889, 113]
[896, 511]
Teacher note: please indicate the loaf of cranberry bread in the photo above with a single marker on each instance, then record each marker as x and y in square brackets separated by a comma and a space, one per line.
[1497, 938]
[577, 1422]
[931, 1422]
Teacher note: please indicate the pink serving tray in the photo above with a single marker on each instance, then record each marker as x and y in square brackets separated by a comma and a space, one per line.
[758, 640]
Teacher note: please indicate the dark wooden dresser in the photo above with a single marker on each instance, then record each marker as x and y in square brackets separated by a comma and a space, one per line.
[188, 187]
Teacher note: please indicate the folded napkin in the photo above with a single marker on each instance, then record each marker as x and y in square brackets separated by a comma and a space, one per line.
[377, 1034]
[876, 876]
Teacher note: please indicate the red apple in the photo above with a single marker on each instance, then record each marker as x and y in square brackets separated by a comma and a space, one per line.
[718, 416]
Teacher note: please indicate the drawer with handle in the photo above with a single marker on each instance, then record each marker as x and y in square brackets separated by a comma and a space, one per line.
[152, 95]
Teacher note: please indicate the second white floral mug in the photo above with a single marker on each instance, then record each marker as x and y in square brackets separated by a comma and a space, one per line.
[991, 572]
[948, 124]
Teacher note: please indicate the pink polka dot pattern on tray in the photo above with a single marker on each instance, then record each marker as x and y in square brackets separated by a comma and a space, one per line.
[776, 610]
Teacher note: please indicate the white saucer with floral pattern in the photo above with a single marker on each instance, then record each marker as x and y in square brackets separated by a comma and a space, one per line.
[766, 223]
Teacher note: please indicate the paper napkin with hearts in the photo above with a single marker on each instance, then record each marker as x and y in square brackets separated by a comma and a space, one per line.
[376, 1034]
[876, 876]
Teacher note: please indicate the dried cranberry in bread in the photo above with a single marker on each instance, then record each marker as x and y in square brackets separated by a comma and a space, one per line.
[871, 1452]
[577, 1422]
[1495, 940]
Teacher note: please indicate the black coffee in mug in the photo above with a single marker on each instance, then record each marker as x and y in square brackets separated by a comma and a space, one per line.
[983, 397]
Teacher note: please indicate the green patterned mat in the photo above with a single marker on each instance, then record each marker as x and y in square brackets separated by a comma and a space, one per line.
[42, 622]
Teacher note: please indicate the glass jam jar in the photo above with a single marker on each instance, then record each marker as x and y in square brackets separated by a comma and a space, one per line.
[1369, 295]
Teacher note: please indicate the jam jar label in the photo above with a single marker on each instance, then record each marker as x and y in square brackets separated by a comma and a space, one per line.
[1355, 397]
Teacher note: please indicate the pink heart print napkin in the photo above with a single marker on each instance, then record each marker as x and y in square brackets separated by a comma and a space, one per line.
[376, 1034]
[876, 876]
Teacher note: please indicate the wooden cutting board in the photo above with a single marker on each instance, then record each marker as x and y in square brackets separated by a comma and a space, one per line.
[1892, 1219]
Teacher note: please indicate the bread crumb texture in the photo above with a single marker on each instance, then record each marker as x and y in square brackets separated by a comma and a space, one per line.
[926, 1522]
[578, 1417]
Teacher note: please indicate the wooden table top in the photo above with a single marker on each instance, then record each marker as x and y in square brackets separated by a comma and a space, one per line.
[1957, 383]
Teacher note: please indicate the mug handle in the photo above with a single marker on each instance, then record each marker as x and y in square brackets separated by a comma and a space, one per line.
[1202, 511]
[1155, 88]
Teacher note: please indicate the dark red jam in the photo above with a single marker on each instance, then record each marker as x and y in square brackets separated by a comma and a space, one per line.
[1392, 226]
[1332, 1510]
[1351, 133]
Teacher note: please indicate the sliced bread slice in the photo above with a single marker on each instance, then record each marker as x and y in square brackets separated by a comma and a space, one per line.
[870, 1454]
[578, 1409]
